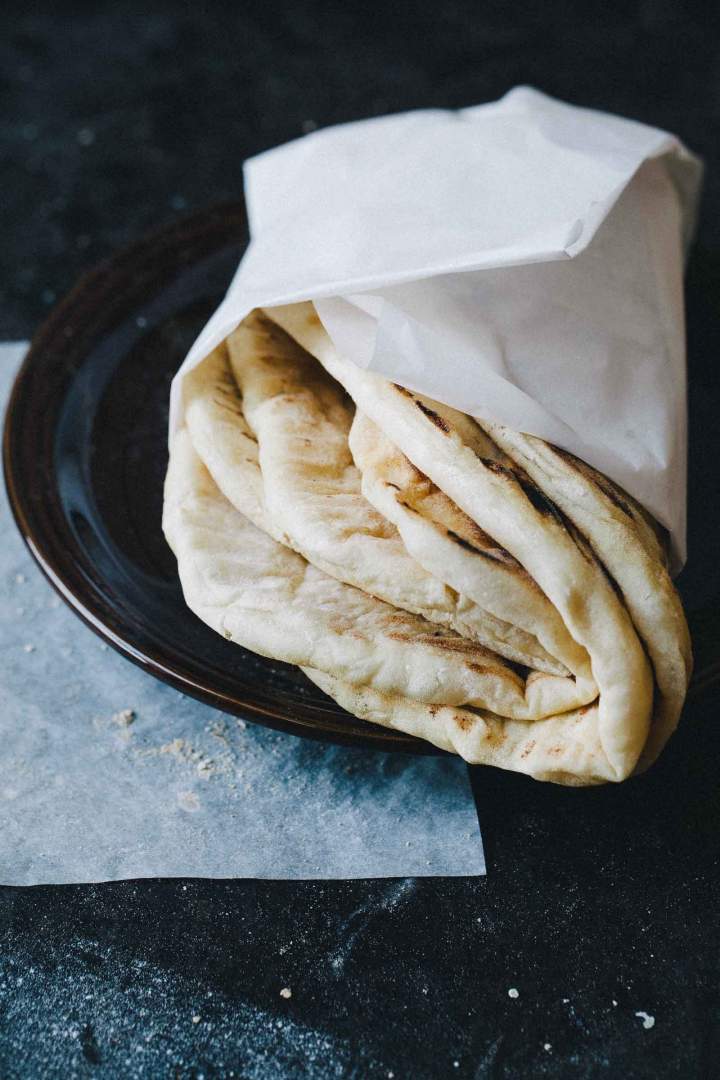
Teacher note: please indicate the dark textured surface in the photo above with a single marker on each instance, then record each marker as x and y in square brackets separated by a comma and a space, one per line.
[115, 118]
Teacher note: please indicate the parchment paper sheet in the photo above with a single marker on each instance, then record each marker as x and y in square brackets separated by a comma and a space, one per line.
[520, 260]
[90, 791]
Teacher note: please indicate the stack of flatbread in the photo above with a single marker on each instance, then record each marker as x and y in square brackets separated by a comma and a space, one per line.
[433, 573]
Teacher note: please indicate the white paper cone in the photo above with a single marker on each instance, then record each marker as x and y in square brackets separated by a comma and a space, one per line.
[521, 261]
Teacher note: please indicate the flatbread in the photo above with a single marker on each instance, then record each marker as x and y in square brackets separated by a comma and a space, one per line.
[226, 445]
[624, 539]
[448, 543]
[267, 404]
[260, 594]
[562, 749]
[267, 598]
[506, 504]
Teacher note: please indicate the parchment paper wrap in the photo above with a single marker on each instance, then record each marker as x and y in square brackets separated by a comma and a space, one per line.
[520, 260]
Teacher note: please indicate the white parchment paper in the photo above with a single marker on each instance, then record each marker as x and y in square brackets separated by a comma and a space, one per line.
[106, 773]
[521, 261]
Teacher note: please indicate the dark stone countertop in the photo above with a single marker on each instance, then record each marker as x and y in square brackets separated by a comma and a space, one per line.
[599, 904]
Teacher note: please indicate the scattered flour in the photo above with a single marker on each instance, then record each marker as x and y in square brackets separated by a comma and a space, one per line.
[188, 800]
[222, 764]
[124, 718]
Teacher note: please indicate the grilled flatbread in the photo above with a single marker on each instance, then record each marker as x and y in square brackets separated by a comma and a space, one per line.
[323, 516]
[449, 544]
[269, 404]
[267, 598]
[508, 505]
[563, 749]
[226, 445]
[626, 541]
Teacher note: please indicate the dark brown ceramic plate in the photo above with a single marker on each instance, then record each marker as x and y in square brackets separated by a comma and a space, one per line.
[85, 457]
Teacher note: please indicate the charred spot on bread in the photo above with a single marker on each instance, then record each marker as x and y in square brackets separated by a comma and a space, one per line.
[497, 467]
[609, 490]
[433, 417]
[495, 554]
[536, 497]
